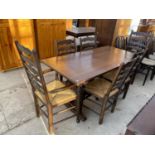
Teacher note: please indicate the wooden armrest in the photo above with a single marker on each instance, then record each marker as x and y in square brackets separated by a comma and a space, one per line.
[62, 88]
[47, 70]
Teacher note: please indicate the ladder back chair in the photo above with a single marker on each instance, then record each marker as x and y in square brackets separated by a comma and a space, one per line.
[143, 40]
[138, 40]
[50, 95]
[106, 91]
[139, 48]
[66, 47]
[120, 42]
[139, 55]
[88, 42]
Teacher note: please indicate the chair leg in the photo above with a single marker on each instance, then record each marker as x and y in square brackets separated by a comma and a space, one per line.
[126, 89]
[133, 77]
[61, 78]
[50, 119]
[153, 73]
[148, 70]
[56, 76]
[103, 107]
[114, 103]
[36, 105]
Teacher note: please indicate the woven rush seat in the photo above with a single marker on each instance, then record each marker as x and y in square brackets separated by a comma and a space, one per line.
[110, 75]
[59, 98]
[99, 87]
[149, 62]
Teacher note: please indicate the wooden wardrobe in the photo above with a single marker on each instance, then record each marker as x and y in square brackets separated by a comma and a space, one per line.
[39, 34]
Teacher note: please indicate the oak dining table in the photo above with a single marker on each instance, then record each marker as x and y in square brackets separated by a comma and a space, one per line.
[80, 67]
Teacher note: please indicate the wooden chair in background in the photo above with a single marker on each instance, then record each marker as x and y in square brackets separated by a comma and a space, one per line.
[121, 42]
[143, 40]
[66, 47]
[139, 42]
[88, 42]
[50, 95]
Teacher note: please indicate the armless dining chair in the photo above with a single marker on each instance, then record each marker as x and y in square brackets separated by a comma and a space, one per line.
[138, 48]
[64, 47]
[88, 42]
[105, 90]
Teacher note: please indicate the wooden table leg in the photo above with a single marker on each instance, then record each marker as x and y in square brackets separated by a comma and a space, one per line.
[80, 115]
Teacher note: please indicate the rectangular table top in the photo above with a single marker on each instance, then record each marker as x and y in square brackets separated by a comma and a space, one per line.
[81, 31]
[82, 66]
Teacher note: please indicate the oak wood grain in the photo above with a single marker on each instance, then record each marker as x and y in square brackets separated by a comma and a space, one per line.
[83, 66]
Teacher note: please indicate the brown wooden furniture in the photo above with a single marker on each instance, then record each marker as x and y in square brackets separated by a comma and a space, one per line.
[107, 91]
[47, 31]
[38, 33]
[65, 47]
[51, 95]
[107, 29]
[120, 42]
[88, 42]
[138, 40]
[122, 28]
[80, 67]
[142, 40]
[42, 33]
[139, 55]
[11, 29]
[81, 31]
[143, 123]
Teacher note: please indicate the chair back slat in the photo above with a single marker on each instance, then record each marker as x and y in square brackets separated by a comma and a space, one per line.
[65, 47]
[31, 63]
[121, 75]
[27, 60]
[88, 42]
[139, 40]
[31, 69]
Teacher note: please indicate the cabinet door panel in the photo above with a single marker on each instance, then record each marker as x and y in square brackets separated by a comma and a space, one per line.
[48, 31]
[11, 30]
[122, 28]
[8, 54]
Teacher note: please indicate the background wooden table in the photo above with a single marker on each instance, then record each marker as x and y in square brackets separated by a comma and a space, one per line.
[81, 31]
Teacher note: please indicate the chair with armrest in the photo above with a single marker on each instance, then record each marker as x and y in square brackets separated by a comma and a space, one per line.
[51, 95]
